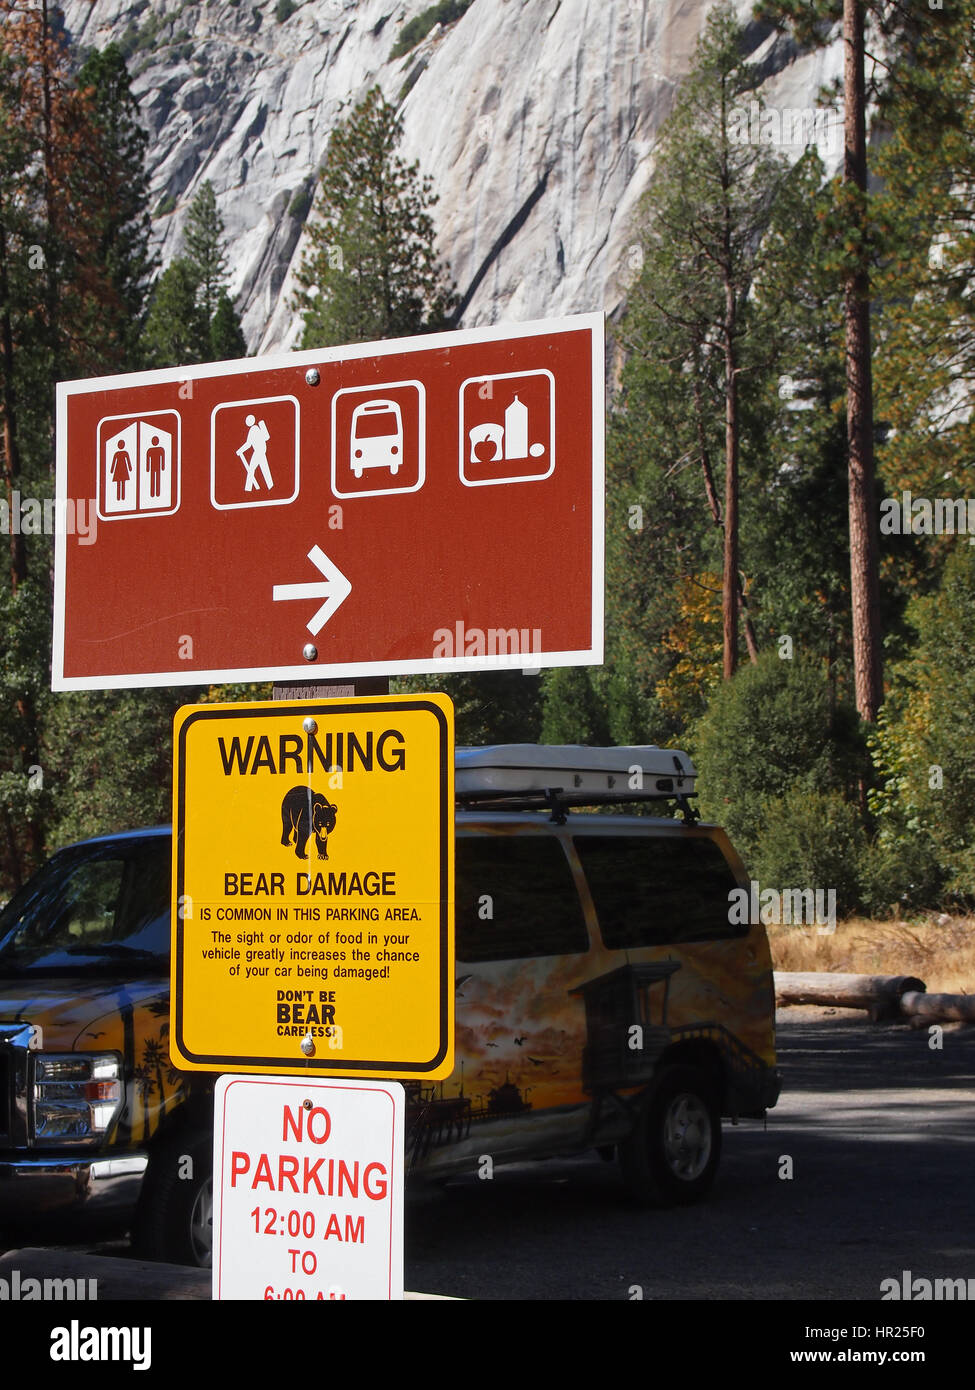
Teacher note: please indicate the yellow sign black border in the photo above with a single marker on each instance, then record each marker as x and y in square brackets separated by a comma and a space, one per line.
[378, 1067]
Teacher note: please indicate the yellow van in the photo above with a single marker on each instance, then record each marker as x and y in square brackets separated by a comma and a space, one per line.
[605, 1000]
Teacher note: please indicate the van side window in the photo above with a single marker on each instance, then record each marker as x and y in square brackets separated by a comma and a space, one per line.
[658, 891]
[87, 909]
[516, 897]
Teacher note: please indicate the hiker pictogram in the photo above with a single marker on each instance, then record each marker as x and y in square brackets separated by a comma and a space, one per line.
[254, 451]
[255, 445]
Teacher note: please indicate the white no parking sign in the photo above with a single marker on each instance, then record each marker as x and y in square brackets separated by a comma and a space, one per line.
[307, 1189]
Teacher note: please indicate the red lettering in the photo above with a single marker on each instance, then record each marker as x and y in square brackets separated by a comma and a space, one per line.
[263, 1173]
[291, 1119]
[381, 1184]
[350, 1181]
[318, 1110]
[239, 1164]
[287, 1168]
[311, 1175]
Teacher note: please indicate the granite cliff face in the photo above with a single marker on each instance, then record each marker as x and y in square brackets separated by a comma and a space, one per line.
[535, 118]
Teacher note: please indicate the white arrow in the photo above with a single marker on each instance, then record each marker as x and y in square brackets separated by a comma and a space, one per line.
[334, 589]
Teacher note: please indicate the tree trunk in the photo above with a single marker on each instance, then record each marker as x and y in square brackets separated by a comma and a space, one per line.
[864, 588]
[11, 451]
[946, 1007]
[881, 994]
[731, 578]
[715, 506]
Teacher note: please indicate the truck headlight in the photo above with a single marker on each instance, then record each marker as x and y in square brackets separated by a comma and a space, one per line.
[75, 1096]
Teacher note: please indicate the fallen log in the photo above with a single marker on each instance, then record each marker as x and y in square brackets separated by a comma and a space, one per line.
[879, 994]
[939, 1008]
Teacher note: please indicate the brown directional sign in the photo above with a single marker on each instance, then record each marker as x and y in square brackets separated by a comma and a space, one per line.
[429, 504]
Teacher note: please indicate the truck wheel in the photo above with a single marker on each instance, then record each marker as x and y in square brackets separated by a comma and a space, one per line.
[672, 1155]
[174, 1221]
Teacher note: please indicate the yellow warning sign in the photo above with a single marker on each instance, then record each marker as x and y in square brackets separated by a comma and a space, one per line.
[313, 893]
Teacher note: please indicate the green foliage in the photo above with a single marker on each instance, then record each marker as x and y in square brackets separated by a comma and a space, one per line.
[901, 874]
[489, 706]
[227, 342]
[572, 710]
[203, 247]
[300, 204]
[774, 729]
[925, 360]
[705, 330]
[283, 10]
[812, 839]
[192, 318]
[177, 332]
[416, 29]
[924, 744]
[139, 38]
[73, 270]
[110, 755]
[370, 272]
[25, 700]
[123, 229]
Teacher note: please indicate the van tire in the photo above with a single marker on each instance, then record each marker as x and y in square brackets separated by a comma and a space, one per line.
[174, 1220]
[671, 1157]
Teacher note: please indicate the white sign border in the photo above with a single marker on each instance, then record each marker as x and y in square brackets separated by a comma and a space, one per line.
[397, 1095]
[318, 671]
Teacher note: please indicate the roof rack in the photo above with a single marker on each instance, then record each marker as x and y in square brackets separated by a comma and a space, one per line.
[556, 777]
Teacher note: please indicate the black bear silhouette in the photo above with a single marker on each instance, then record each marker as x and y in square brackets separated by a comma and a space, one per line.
[305, 812]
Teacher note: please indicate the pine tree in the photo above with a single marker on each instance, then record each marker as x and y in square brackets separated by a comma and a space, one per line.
[689, 324]
[192, 317]
[370, 271]
[203, 248]
[115, 168]
[57, 295]
[227, 342]
[176, 332]
[895, 30]
[925, 360]
[795, 526]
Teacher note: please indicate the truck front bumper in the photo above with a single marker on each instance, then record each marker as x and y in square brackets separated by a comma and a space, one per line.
[37, 1188]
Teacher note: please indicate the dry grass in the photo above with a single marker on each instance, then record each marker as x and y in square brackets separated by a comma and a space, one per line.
[939, 950]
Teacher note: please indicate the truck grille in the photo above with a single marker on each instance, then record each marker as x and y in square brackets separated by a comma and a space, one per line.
[5, 1097]
[16, 1041]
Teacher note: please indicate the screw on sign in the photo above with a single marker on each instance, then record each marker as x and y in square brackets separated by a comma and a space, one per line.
[308, 1189]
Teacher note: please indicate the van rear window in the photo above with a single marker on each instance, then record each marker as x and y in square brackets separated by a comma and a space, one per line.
[516, 897]
[658, 891]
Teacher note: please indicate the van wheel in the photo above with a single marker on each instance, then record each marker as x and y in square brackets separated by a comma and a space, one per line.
[672, 1155]
[174, 1221]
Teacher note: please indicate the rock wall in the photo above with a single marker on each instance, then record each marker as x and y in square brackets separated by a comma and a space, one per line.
[535, 118]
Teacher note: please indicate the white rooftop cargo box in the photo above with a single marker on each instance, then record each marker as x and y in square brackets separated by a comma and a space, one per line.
[516, 770]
